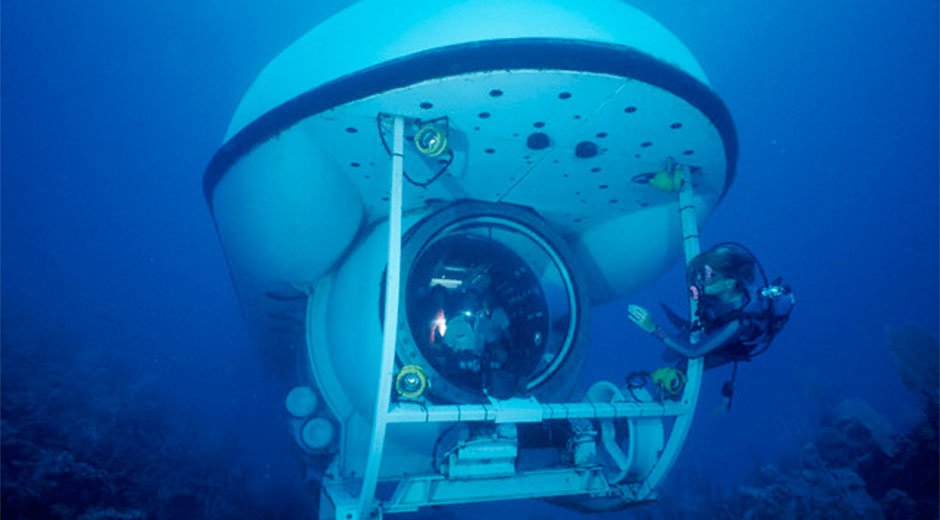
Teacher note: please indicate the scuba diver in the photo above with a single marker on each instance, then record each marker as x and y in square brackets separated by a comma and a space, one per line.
[734, 320]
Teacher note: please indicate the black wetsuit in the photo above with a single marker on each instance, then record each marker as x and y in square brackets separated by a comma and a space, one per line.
[730, 337]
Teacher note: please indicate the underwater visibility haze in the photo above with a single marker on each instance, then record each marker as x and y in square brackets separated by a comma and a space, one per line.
[195, 250]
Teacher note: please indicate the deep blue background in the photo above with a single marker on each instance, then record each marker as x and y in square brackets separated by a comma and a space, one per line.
[111, 110]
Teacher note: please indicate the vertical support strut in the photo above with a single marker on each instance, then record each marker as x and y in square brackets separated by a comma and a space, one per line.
[392, 285]
[690, 248]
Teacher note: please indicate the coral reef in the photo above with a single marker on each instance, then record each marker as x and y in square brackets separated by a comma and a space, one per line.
[918, 359]
[83, 438]
[856, 465]
[853, 466]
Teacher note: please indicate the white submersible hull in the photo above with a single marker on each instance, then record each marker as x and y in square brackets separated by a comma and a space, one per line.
[425, 199]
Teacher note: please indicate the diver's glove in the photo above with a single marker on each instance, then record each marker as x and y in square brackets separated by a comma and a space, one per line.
[642, 318]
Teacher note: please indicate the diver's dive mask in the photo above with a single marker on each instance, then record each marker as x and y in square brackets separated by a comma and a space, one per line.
[699, 281]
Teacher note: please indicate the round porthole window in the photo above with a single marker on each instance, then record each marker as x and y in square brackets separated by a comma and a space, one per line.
[490, 306]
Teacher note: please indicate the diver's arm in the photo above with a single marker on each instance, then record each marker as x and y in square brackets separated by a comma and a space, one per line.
[644, 320]
[710, 343]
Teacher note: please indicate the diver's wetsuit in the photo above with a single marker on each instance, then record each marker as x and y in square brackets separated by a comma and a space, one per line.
[732, 341]
[712, 346]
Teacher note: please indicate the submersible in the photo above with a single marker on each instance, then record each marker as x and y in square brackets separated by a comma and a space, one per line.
[420, 202]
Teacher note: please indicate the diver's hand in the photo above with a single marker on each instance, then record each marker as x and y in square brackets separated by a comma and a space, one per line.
[641, 317]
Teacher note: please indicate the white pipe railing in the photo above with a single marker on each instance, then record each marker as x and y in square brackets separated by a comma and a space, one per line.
[392, 285]
[415, 413]
[691, 249]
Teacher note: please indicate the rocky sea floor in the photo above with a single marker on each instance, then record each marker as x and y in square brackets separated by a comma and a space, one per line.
[81, 441]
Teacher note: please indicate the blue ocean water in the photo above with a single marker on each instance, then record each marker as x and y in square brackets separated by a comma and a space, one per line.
[117, 302]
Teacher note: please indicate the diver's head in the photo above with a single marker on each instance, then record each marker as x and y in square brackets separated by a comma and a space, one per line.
[721, 274]
[722, 288]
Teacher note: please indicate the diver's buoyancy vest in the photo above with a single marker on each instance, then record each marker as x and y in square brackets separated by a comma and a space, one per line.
[762, 317]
